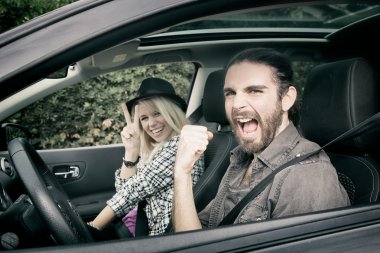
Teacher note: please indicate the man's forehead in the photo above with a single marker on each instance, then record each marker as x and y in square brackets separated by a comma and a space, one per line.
[251, 81]
[249, 72]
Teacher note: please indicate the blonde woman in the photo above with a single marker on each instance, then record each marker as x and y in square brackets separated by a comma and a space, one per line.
[150, 141]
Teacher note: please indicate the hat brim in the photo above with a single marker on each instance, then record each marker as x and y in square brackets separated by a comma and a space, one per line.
[174, 98]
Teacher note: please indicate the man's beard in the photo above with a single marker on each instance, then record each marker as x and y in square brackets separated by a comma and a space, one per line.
[269, 128]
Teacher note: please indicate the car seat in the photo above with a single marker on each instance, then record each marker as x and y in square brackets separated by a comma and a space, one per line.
[337, 97]
[217, 154]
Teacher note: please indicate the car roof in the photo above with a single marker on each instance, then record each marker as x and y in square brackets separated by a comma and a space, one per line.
[41, 40]
[47, 39]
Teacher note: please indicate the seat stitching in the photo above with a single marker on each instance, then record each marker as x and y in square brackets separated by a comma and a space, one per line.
[215, 168]
[373, 171]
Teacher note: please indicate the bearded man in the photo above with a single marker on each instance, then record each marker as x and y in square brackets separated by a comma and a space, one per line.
[259, 98]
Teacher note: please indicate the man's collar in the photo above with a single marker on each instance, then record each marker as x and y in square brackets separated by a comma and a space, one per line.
[276, 152]
[280, 147]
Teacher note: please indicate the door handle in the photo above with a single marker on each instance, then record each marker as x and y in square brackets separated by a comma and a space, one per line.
[66, 171]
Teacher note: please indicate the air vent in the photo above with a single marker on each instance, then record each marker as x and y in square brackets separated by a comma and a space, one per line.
[6, 167]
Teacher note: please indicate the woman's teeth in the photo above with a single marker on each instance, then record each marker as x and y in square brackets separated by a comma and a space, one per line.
[157, 130]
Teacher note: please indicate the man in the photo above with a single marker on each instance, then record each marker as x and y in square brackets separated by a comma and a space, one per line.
[258, 100]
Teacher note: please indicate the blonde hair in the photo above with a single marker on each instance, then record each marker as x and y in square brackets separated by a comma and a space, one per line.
[172, 114]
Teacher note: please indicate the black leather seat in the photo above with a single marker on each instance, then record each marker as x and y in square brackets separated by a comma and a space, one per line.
[337, 97]
[217, 154]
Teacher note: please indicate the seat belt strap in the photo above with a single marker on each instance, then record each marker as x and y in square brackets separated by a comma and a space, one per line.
[141, 227]
[232, 215]
[370, 123]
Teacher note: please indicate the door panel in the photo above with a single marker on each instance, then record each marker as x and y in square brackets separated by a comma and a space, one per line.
[94, 184]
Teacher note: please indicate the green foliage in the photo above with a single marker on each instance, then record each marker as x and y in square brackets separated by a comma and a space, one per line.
[16, 12]
[89, 113]
[301, 71]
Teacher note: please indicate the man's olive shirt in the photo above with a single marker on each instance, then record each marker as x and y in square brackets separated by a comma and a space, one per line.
[311, 185]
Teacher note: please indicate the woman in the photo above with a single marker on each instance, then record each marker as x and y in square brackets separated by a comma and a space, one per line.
[150, 141]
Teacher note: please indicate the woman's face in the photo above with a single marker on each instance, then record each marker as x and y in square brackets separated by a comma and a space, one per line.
[153, 123]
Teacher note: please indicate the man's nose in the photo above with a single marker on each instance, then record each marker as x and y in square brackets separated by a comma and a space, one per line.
[240, 101]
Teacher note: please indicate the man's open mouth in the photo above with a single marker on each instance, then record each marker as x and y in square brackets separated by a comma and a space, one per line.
[247, 125]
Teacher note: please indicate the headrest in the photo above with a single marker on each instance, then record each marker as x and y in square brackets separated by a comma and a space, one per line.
[337, 97]
[213, 98]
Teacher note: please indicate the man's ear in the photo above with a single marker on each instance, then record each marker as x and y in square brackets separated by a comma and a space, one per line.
[289, 98]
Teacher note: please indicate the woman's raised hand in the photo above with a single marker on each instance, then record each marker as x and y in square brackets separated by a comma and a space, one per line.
[131, 134]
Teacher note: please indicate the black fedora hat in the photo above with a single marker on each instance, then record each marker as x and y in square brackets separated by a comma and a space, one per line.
[156, 87]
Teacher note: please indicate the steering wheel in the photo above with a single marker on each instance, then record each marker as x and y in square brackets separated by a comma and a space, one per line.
[47, 195]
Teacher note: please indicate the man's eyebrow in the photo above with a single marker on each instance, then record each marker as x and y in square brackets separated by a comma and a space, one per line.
[247, 88]
[256, 87]
[227, 89]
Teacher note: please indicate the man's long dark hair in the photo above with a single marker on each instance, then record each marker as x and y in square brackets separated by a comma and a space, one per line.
[283, 71]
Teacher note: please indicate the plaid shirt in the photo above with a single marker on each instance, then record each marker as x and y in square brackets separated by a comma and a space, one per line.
[154, 183]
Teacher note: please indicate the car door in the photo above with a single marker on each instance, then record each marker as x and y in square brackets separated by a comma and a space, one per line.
[86, 174]
[76, 129]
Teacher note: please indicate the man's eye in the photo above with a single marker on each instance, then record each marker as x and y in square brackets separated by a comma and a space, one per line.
[228, 93]
[255, 91]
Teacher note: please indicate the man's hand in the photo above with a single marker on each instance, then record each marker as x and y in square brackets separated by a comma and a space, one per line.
[193, 142]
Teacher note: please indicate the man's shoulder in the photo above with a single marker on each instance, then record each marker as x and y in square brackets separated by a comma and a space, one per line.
[312, 168]
[305, 146]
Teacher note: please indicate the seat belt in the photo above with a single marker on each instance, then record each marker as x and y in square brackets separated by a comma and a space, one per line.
[369, 123]
[141, 227]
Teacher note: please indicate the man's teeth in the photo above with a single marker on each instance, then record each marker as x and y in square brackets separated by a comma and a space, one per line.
[244, 120]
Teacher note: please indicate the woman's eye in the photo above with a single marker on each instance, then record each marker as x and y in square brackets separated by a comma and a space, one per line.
[156, 114]
[143, 118]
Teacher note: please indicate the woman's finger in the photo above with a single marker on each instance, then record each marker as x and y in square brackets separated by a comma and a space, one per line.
[136, 118]
[127, 116]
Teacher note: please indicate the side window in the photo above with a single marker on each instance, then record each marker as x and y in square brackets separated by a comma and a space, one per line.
[89, 113]
[301, 71]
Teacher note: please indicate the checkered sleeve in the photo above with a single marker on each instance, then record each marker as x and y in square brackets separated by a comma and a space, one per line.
[149, 179]
[198, 170]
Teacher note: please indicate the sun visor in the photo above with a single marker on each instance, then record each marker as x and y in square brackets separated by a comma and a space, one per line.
[113, 57]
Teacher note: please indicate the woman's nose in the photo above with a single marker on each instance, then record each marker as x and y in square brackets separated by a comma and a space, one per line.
[152, 121]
